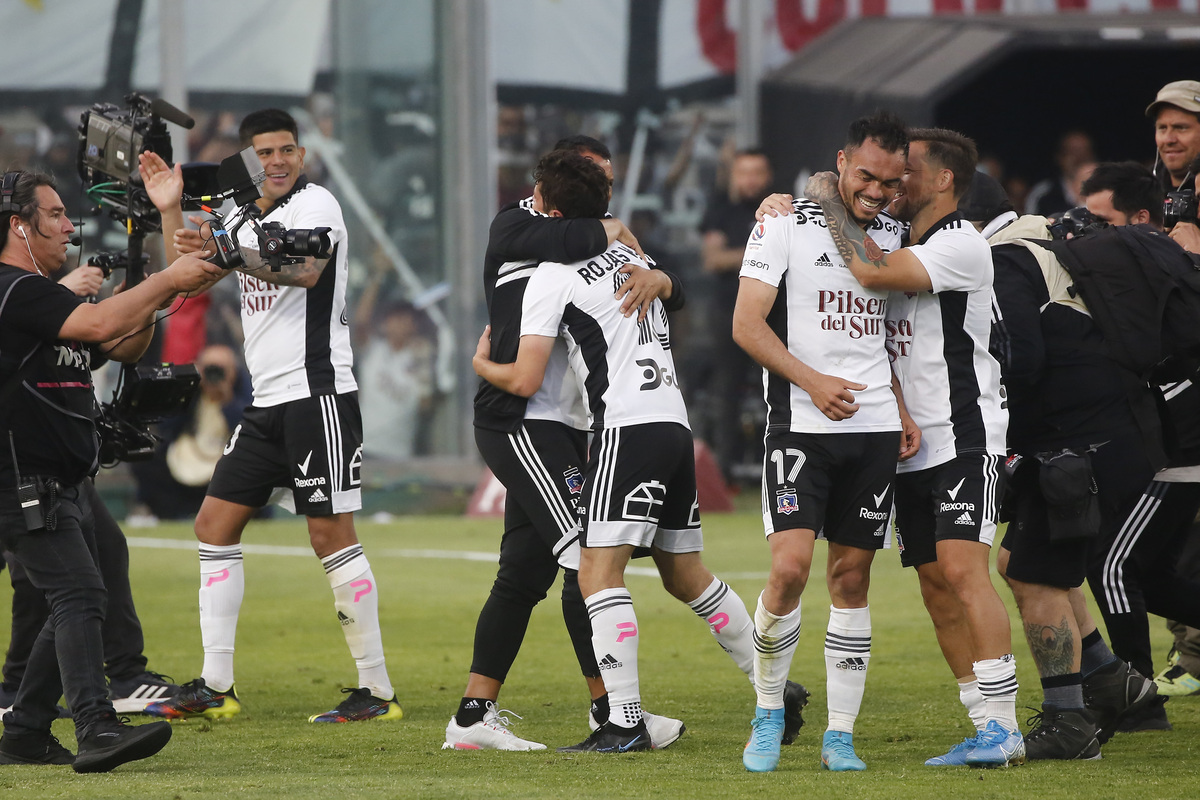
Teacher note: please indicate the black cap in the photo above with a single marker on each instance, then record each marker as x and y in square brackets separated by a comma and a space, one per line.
[985, 199]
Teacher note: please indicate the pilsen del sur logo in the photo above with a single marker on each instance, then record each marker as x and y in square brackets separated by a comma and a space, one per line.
[257, 295]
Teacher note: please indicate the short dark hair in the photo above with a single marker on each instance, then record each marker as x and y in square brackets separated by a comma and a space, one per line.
[887, 129]
[572, 185]
[1133, 188]
[267, 120]
[24, 199]
[950, 150]
[756, 152]
[580, 142]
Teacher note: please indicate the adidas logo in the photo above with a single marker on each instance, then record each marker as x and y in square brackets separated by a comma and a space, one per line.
[852, 664]
[317, 497]
[823, 261]
[342, 618]
[608, 662]
[964, 519]
[472, 704]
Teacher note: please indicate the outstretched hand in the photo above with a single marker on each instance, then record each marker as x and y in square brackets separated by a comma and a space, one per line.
[164, 184]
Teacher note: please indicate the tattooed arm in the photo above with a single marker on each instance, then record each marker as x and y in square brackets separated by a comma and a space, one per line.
[305, 274]
[874, 269]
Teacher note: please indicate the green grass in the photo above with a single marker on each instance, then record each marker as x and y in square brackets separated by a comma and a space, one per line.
[292, 661]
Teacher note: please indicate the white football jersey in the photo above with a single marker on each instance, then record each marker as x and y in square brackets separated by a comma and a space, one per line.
[624, 367]
[938, 343]
[826, 319]
[297, 339]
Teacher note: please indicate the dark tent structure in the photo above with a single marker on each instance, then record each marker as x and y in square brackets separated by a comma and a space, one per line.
[1014, 84]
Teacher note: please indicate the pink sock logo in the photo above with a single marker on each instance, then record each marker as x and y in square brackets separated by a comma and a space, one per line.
[361, 592]
[220, 576]
[625, 630]
[718, 621]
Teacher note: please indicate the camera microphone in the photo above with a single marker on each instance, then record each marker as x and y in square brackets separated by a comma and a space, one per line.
[75, 241]
[161, 108]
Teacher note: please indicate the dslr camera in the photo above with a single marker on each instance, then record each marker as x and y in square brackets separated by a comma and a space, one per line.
[1077, 221]
[276, 245]
[1181, 205]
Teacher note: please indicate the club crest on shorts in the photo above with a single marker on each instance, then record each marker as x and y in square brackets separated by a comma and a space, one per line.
[786, 502]
[574, 479]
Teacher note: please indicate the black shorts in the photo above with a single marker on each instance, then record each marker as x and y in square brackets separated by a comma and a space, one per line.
[956, 500]
[312, 446]
[837, 484]
[641, 489]
[541, 465]
[1122, 470]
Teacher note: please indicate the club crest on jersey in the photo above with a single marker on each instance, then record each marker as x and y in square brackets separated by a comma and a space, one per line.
[574, 480]
[760, 230]
[786, 502]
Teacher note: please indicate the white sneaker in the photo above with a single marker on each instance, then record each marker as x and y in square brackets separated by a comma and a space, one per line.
[664, 731]
[490, 733]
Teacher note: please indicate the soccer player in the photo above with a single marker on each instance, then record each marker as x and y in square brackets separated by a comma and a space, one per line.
[303, 432]
[834, 432]
[947, 495]
[537, 448]
[639, 484]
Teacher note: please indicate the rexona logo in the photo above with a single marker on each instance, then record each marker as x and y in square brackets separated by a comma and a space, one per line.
[319, 480]
[961, 505]
[866, 513]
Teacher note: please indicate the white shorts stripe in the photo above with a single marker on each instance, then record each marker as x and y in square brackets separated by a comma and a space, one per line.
[536, 470]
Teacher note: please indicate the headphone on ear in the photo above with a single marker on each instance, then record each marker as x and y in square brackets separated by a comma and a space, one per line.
[21, 231]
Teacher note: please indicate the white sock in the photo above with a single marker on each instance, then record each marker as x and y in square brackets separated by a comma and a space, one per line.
[222, 586]
[774, 644]
[847, 653]
[357, 602]
[726, 615]
[970, 696]
[998, 683]
[615, 642]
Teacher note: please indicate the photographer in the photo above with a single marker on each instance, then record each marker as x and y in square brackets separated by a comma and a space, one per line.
[1071, 404]
[48, 339]
[303, 431]
[172, 484]
[1176, 115]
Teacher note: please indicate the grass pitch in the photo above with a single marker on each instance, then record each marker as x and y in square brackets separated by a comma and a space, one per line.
[292, 660]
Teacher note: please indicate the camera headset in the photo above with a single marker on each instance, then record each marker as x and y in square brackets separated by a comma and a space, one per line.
[8, 187]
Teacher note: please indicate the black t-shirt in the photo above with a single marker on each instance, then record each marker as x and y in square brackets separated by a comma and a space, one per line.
[520, 238]
[50, 415]
[736, 221]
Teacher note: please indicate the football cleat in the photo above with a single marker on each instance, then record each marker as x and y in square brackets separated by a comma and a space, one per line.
[795, 698]
[608, 738]
[490, 733]
[360, 705]
[997, 747]
[956, 756]
[195, 699]
[1175, 681]
[131, 696]
[664, 731]
[761, 753]
[837, 753]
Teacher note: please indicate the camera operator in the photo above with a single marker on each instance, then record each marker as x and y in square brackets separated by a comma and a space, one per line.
[1071, 405]
[303, 431]
[131, 684]
[1176, 115]
[47, 523]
